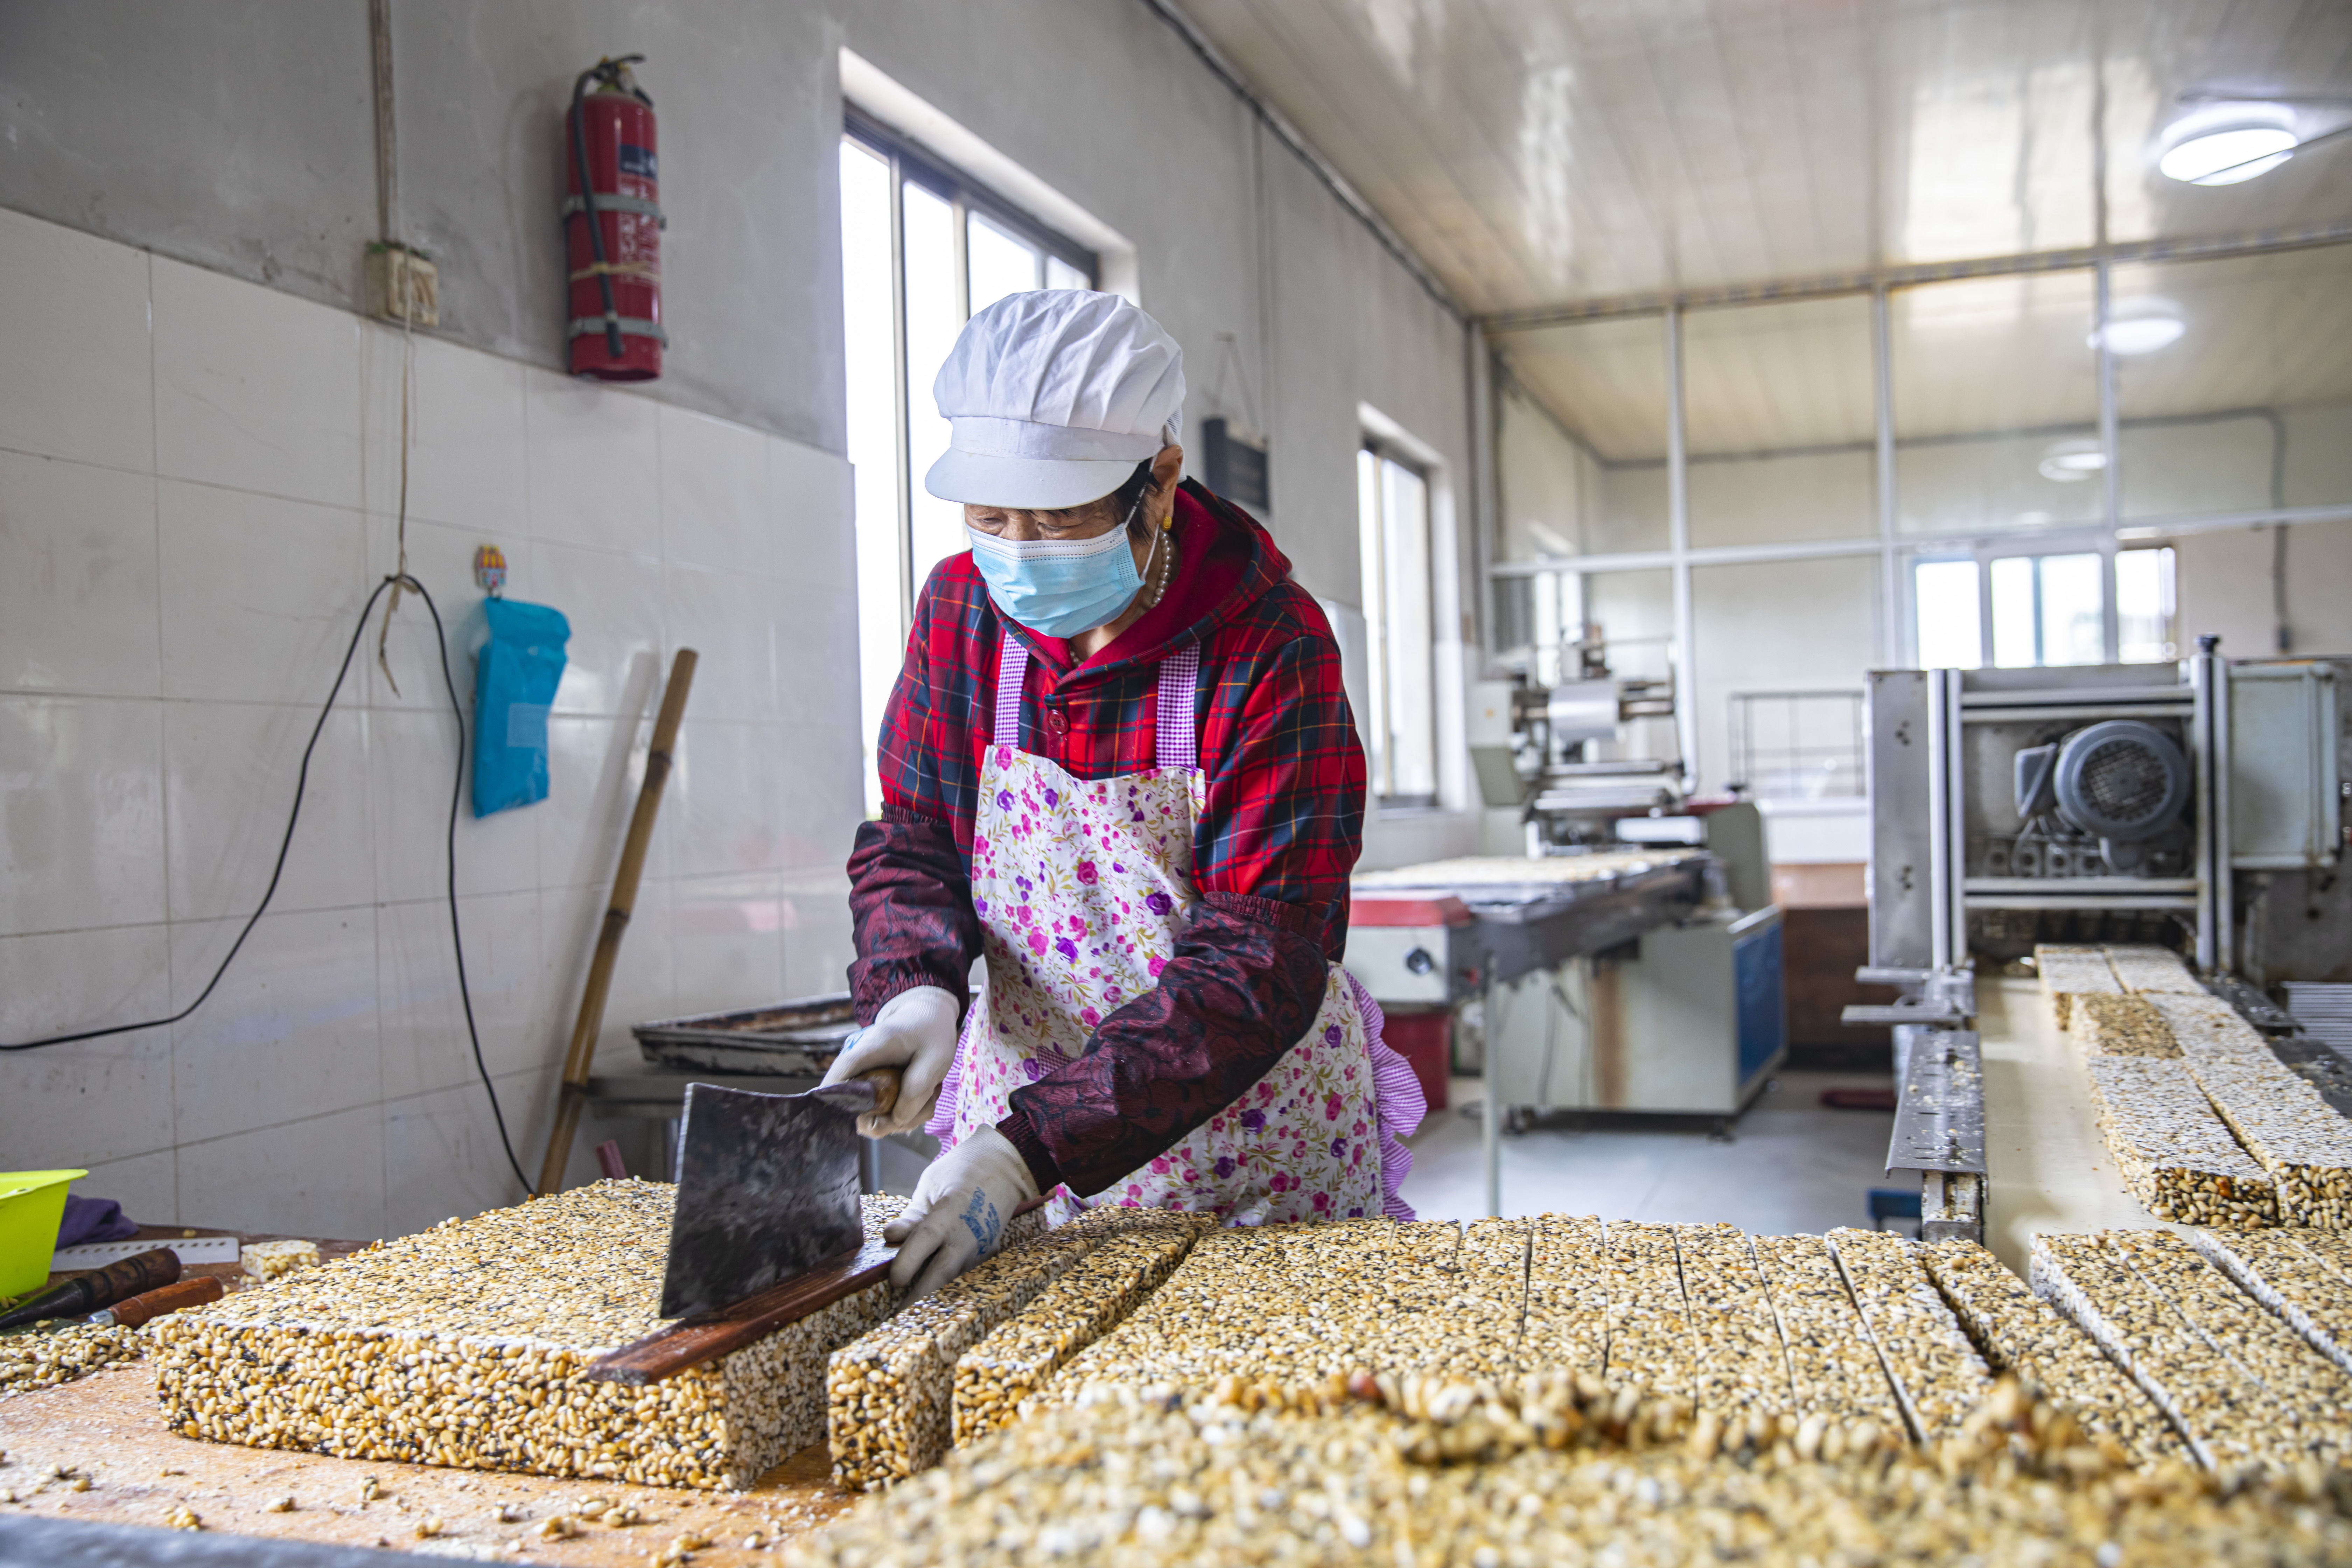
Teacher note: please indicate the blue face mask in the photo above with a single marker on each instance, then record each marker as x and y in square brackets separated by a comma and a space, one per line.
[1059, 586]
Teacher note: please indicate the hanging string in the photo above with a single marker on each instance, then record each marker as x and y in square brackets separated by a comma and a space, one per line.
[395, 268]
[1229, 351]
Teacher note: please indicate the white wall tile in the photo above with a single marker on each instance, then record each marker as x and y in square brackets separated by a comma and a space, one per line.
[96, 1100]
[411, 758]
[322, 1177]
[146, 1186]
[81, 377]
[442, 1156]
[229, 773]
[643, 977]
[291, 1033]
[81, 813]
[466, 456]
[816, 515]
[822, 792]
[77, 594]
[528, 1100]
[255, 389]
[328, 1086]
[715, 494]
[614, 662]
[596, 454]
[726, 935]
[815, 687]
[722, 815]
[817, 945]
[594, 767]
[425, 1042]
[260, 595]
[730, 619]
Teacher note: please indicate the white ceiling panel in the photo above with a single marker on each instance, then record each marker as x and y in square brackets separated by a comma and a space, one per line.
[1540, 153]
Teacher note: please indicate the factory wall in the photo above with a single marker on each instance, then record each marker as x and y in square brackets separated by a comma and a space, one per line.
[199, 451]
[199, 483]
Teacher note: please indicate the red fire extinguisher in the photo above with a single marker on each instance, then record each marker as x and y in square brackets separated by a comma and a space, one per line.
[611, 225]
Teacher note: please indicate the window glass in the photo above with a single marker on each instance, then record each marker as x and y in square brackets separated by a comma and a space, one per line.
[934, 317]
[903, 302]
[1582, 425]
[1633, 615]
[2231, 384]
[869, 339]
[2145, 606]
[2048, 610]
[1780, 422]
[1001, 264]
[1996, 402]
[2074, 606]
[1392, 513]
[1949, 614]
[2014, 623]
[1780, 646]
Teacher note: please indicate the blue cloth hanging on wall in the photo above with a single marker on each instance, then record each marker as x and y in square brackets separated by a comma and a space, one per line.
[514, 679]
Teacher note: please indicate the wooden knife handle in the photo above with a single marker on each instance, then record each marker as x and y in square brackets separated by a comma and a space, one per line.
[886, 1087]
[193, 1291]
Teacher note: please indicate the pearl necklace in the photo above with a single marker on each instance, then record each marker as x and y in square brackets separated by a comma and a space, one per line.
[1167, 572]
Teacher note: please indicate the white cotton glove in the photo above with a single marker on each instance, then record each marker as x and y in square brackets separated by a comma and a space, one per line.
[916, 1033]
[959, 1210]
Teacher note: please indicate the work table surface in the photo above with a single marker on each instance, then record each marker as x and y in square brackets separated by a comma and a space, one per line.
[107, 1427]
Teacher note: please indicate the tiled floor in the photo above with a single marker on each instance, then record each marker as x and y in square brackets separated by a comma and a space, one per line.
[1793, 1164]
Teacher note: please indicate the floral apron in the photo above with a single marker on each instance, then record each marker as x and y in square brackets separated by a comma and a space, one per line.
[1081, 886]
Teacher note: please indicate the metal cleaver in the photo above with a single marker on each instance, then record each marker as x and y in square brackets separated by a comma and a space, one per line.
[767, 1188]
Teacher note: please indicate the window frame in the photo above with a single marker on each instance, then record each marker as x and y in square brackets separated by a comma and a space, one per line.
[908, 162]
[1380, 760]
[2002, 549]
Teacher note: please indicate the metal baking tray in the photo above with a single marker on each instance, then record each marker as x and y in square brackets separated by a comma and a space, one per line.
[790, 1040]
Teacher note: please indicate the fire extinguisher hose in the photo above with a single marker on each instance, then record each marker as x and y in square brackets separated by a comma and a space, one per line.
[608, 72]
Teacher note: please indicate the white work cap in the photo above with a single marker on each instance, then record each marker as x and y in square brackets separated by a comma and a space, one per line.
[1054, 398]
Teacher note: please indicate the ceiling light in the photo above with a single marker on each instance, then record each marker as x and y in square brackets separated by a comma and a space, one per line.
[2141, 327]
[2228, 154]
[2071, 462]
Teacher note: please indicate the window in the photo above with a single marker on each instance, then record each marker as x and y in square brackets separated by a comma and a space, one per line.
[1401, 731]
[2144, 607]
[2048, 609]
[1951, 633]
[920, 250]
[2039, 610]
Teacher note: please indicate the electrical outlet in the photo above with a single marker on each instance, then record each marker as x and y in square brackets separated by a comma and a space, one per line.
[403, 286]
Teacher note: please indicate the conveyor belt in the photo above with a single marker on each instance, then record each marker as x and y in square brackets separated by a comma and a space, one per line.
[2047, 1166]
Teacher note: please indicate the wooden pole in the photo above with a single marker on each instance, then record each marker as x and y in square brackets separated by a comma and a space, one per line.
[573, 1093]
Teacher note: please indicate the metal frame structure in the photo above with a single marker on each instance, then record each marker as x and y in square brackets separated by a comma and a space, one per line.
[1887, 545]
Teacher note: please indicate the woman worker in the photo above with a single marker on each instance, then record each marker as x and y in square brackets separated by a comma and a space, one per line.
[1119, 765]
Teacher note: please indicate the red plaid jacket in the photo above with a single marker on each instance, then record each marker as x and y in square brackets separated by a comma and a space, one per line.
[1271, 853]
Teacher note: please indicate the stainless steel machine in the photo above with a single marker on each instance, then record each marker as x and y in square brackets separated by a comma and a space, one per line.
[2182, 804]
[1535, 747]
[1667, 1007]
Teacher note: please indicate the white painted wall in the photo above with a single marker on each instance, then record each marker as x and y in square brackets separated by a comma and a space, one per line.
[197, 449]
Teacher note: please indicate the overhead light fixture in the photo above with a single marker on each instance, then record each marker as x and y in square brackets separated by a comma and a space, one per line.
[2140, 326]
[2240, 136]
[2072, 461]
[2228, 154]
